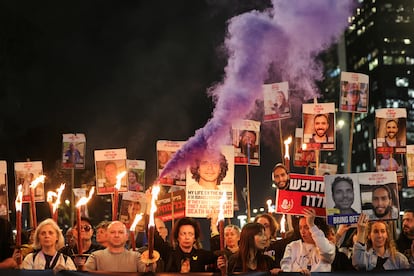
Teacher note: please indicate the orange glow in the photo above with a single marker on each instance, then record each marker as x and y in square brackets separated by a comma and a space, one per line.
[118, 180]
[19, 198]
[84, 200]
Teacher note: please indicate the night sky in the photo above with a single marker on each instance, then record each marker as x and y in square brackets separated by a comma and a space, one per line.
[125, 73]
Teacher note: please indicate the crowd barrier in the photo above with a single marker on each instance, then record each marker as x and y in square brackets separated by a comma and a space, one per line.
[17, 272]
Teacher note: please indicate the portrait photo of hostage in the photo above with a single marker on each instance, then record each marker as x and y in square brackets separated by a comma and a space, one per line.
[387, 161]
[213, 170]
[319, 128]
[342, 194]
[72, 156]
[391, 129]
[354, 92]
[107, 172]
[276, 101]
[382, 202]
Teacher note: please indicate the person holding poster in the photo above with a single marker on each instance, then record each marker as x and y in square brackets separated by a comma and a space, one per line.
[209, 171]
[314, 252]
[280, 176]
[375, 249]
[320, 125]
[405, 242]
[382, 204]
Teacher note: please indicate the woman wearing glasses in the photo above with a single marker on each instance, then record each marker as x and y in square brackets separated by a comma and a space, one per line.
[48, 240]
[86, 239]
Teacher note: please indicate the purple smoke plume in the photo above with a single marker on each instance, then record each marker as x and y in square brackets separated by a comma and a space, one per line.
[286, 37]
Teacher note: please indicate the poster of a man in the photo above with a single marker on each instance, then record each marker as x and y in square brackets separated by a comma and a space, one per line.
[391, 129]
[354, 92]
[25, 173]
[108, 164]
[276, 101]
[210, 175]
[74, 146]
[379, 195]
[319, 126]
[246, 141]
[344, 193]
[165, 151]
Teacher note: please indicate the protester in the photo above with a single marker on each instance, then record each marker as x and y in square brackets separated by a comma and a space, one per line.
[6, 244]
[375, 249]
[314, 252]
[231, 237]
[102, 233]
[341, 261]
[116, 258]
[48, 240]
[188, 256]
[87, 245]
[250, 256]
[405, 242]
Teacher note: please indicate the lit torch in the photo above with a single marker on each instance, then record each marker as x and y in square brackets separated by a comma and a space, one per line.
[116, 195]
[283, 226]
[221, 219]
[39, 179]
[137, 218]
[55, 206]
[18, 203]
[82, 201]
[287, 158]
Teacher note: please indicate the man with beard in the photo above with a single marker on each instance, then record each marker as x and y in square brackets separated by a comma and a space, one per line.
[320, 125]
[280, 176]
[405, 242]
[391, 127]
[382, 204]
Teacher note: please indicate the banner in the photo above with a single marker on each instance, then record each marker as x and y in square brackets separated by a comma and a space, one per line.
[276, 101]
[304, 191]
[246, 142]
[319, 126]
[207, 179]
[108, 164]
[165, 151]
[354, 92]
[347, 195]
[25, 173]
[73, 151]
[165, 209]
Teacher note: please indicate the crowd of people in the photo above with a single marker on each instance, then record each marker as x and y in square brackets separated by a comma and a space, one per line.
[310, 245]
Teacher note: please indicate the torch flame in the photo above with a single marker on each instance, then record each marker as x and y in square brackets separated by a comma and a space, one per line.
[221, 210]
[83, 200]
[118, 180]
[39, 179]
[137, 218]
[19, 198]
[282, 224]
[304, 146]
[50, 196]
[59, 194]
[154, 195]
[287, 143]
[269, 206]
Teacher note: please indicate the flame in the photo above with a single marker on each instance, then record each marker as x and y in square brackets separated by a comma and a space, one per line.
[39, 179]
[50, 196]
[221, 209]
[154, 195]
[287, 143]
[269, 206]
[118, 180]
[137, 218]
[304, 146]
[282, 224]
[19, 198]
[58, 196]
[83, 200]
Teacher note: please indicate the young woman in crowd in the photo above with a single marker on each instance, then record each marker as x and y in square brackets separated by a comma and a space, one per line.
[375, 249]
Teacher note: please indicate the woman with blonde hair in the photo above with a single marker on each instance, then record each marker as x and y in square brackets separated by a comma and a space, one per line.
[375, 249]
[48, 239]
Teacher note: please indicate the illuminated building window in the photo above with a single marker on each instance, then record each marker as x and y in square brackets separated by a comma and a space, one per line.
[399, 60]
[373, 64]
[409, 60]
[386, 39]
[402, 82]
[407, 41]
[411, 93]
[387, 60]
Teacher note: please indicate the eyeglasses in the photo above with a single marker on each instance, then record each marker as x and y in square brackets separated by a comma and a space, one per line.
[86, 228]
